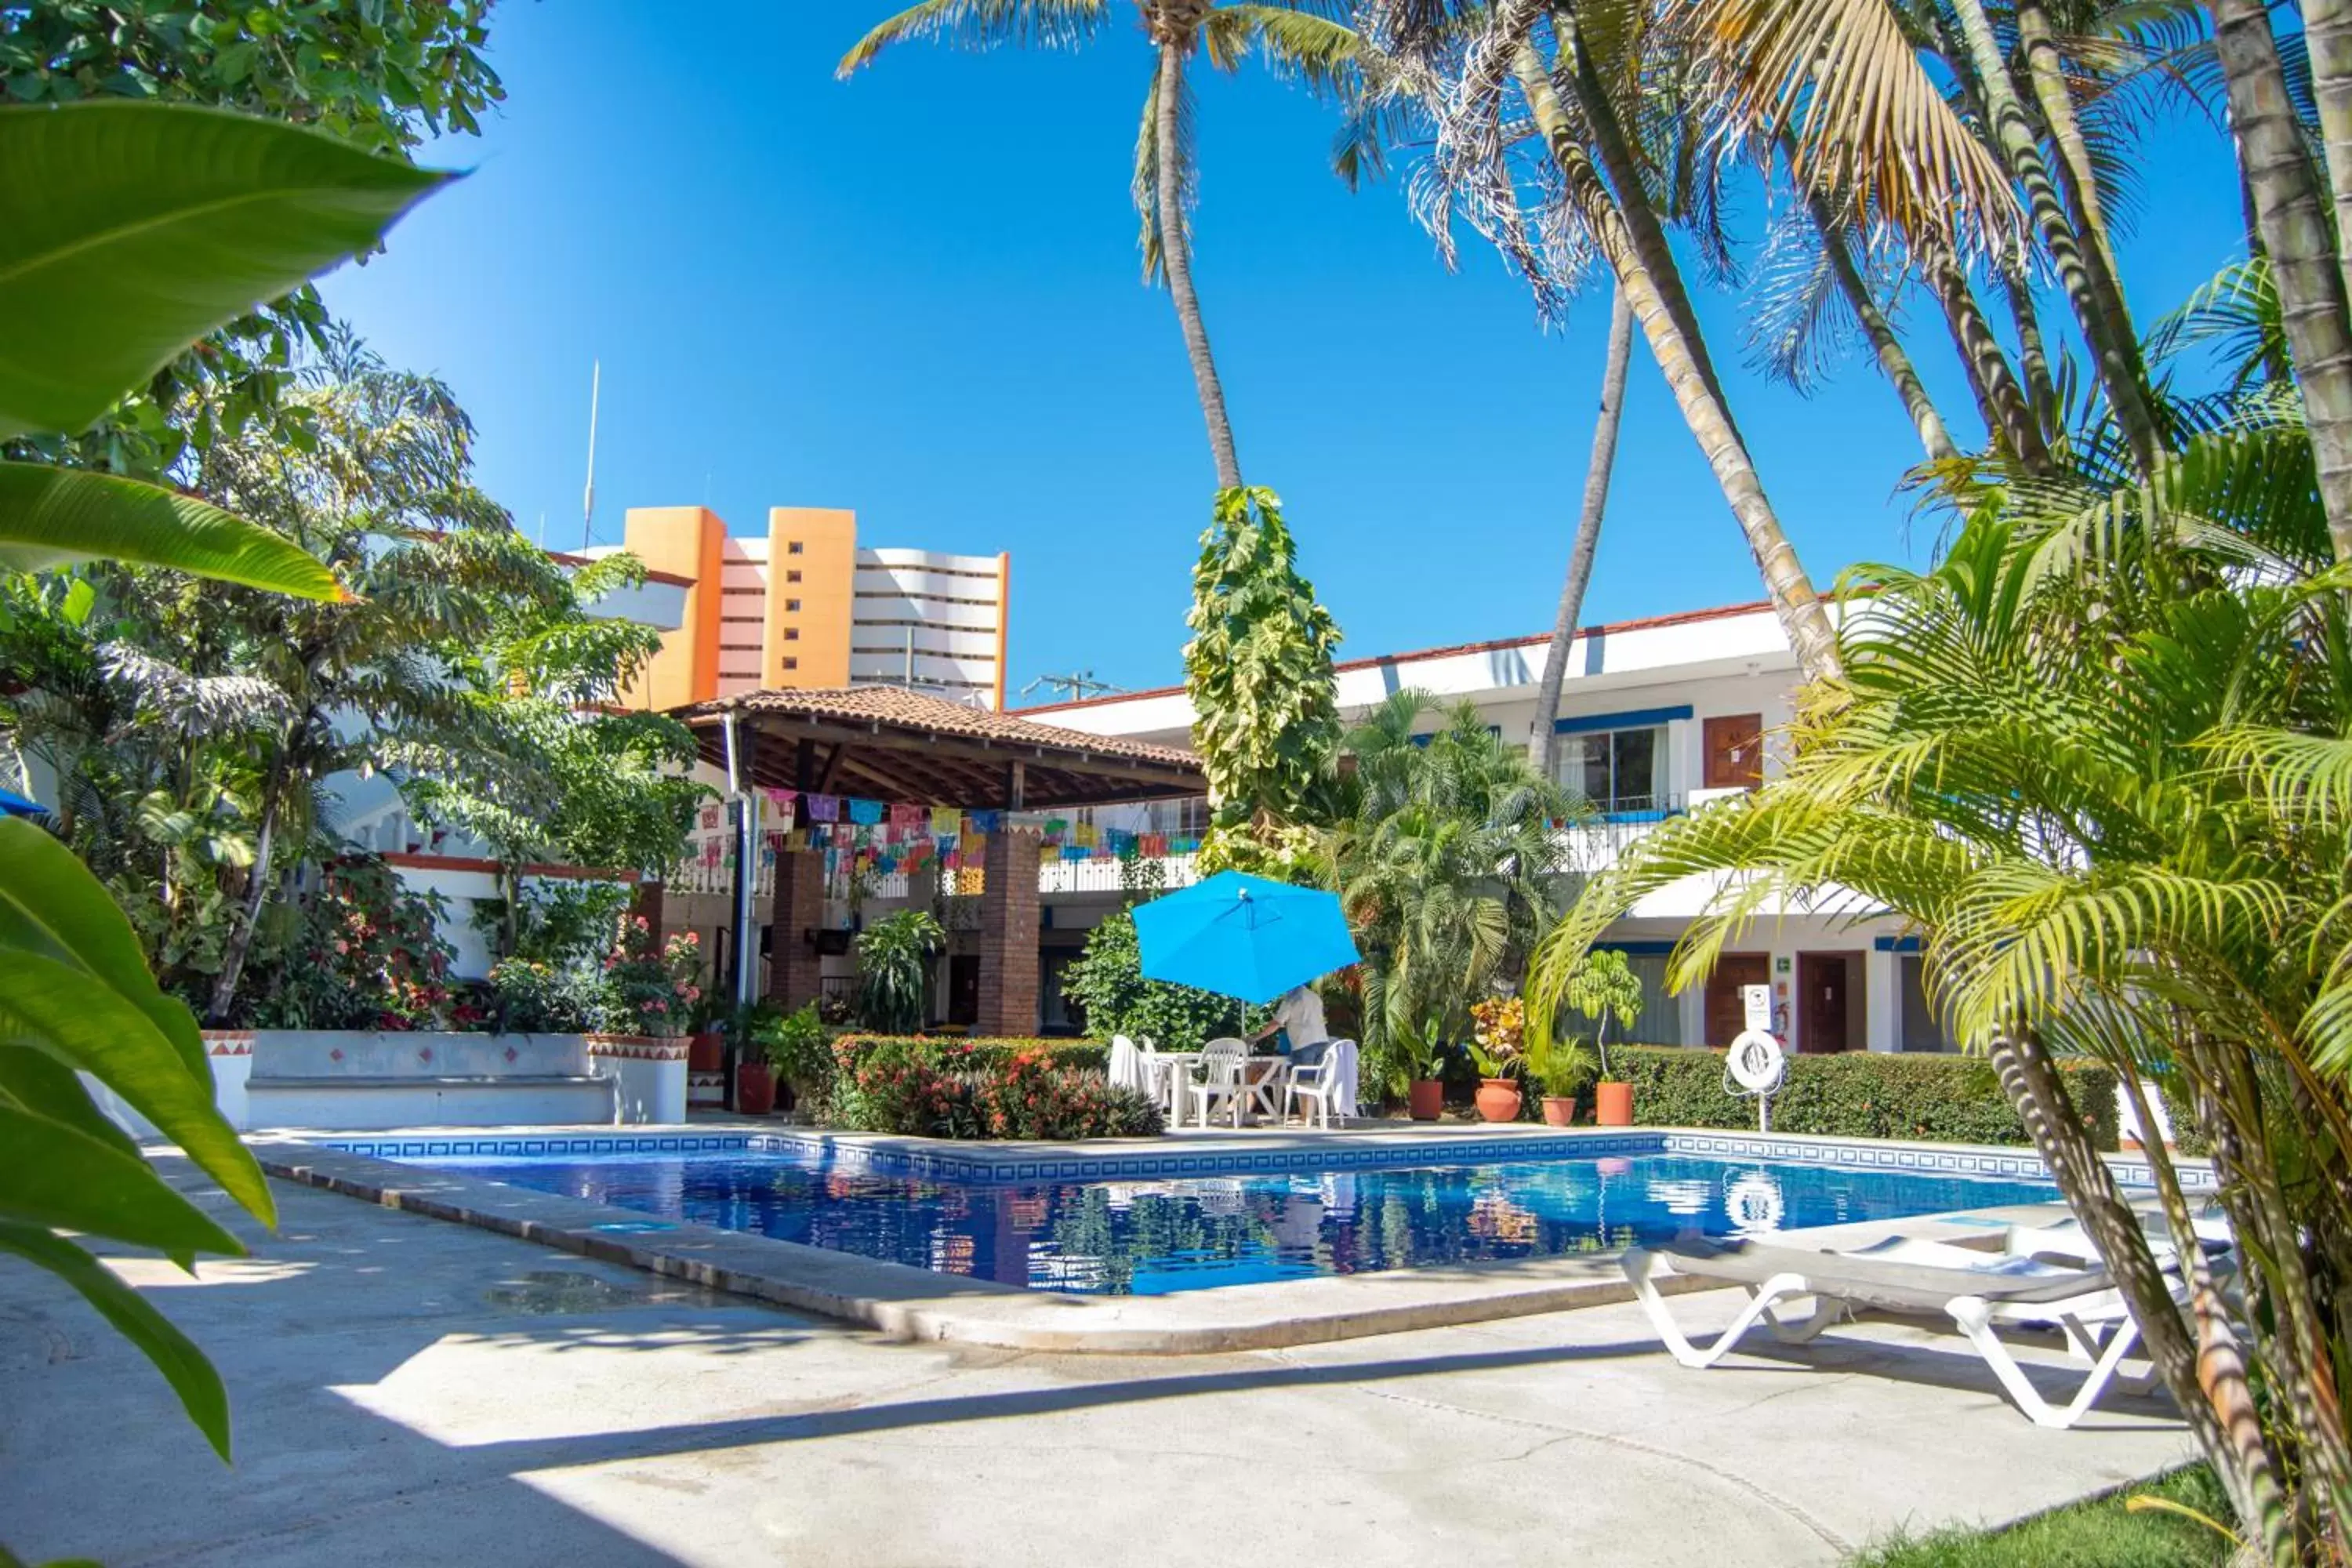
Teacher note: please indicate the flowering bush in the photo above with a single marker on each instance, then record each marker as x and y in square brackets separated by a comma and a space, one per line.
[652, 984]
[367, 954]
[958, 1088]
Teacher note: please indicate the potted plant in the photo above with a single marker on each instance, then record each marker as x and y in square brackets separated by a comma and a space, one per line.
[1498, 1025]
[1560, 1069]
[894, 955]
[1602, 986]
[1421, 1057]
[706, 1034]
[798, 1051]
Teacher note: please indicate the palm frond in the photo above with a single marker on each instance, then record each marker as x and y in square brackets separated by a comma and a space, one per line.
[982, 25]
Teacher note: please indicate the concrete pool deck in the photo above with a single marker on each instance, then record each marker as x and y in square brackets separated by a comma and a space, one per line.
[920, 1304]
[409, 1392]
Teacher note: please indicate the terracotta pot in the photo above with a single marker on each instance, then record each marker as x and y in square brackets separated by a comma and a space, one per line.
[1498, 1099]
[1425, 1098]
[706, 1053]
[755, 1089]
[1559, 1110]
[1613, 1104]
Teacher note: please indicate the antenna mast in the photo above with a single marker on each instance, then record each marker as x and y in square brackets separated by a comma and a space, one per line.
[1076, 686]
[588, 498]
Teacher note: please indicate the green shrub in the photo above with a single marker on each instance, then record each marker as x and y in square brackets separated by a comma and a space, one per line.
[1108, 982]
[946, 1088]
[1855, 1094]
[527, 996]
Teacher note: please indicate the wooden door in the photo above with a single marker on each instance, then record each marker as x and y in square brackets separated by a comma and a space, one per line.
[1823, 978]
[963, 988]
[1726, 1015]
[1734, 743]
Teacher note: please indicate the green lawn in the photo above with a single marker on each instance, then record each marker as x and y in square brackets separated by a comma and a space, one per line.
[2099, 1534]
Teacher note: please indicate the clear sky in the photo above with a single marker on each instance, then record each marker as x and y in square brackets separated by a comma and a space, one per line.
[916, 295]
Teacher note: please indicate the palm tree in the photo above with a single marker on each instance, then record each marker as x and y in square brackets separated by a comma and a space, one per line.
[1545, 739]
[1459, 62]
[2097, 759]
[1447, 861]
[1303, 39]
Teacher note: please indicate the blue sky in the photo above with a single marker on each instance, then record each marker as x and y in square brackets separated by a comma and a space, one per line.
[916, 295]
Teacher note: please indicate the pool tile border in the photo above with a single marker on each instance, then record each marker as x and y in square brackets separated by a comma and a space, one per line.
[1012, 1164]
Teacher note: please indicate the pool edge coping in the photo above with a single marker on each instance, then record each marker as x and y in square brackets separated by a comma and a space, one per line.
[918, 1304]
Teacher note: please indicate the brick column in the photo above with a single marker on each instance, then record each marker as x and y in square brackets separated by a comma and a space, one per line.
[1008, 934]
[794, 970]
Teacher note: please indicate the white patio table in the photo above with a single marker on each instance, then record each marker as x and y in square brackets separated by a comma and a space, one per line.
[1171, 1075]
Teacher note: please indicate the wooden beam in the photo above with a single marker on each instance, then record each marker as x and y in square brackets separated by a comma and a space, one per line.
[1016, 795]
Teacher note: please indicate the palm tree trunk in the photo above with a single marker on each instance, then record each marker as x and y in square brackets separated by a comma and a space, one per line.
[1934, 437]
[2009, 419]
[2091, 289]
[2328, 34]
[2045, 74]
[2207, 1383]
[2032, 355]
[1628, 235]
[257, 892]
[1176, 260]
[2305, 259]
[1545, 738]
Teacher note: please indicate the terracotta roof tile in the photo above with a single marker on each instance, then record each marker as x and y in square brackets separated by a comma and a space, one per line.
[898, 708]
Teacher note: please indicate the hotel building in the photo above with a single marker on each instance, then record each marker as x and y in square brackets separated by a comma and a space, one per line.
[806, 605]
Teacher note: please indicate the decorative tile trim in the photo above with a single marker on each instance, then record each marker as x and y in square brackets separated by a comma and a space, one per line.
[940, 1162]
[505, 1146]
[636, 1047]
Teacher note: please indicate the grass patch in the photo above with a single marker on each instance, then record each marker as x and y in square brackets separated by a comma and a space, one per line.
[2098, 1534]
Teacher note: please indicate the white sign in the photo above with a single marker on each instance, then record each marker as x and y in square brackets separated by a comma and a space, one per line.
[1758, 1002]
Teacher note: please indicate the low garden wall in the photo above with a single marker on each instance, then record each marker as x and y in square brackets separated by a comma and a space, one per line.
[361, 1080]
[1857, 1094]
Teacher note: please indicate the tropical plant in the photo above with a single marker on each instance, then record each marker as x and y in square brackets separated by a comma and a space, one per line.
[532, 997]
[1106, 981]
[2097, 758]
[1301, 41]
[1416, 1052]
[894, 970]
[1257, 671]
[1602, 986]
[1447, 863]
[1498, 1037]
[799, 1048]
[125, 230]
[1561, 1065]
[366, 952]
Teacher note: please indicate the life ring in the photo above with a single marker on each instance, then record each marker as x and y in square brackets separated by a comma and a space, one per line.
[1753, 1203]
[1756, 1062]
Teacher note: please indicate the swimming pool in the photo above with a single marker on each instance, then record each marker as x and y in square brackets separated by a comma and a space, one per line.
[1153, 1237]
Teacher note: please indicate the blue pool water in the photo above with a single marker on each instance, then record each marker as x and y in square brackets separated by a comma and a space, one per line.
[1151, 1236]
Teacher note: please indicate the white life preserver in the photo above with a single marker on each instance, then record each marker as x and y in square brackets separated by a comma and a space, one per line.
[1753, 1203]
[1756, 1062]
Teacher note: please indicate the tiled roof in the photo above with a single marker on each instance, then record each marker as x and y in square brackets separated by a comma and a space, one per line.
[896, 708]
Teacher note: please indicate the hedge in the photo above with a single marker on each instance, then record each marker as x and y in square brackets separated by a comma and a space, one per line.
[983, 1050]
[1857, 1094]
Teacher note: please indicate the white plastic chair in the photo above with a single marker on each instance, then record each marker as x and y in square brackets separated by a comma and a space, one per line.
[1321, 1081]
[1223, 1063]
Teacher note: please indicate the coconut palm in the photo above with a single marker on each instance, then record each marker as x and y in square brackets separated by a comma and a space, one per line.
[1584, 79]
[1304, 40]
[1544, 741]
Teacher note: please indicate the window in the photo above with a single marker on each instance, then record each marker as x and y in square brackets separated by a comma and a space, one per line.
[791, 547]
[792, 633]
[792, 607]
[1619, 773]
[792, 575]
[790, 663]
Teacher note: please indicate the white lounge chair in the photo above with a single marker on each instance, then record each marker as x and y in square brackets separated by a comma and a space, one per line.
[1983, 1294]
[1223, 1063]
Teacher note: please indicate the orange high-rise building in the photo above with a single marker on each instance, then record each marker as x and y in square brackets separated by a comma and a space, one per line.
[806, 607]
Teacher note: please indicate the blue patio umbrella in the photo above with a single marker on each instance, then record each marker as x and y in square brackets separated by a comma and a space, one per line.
[14, 804]
[1243, 936]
